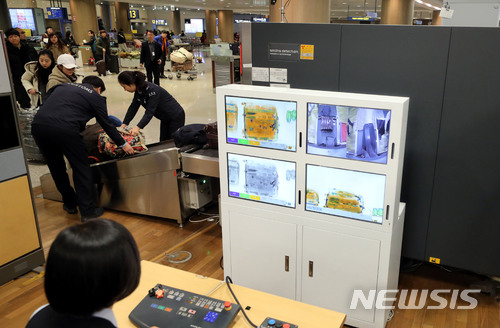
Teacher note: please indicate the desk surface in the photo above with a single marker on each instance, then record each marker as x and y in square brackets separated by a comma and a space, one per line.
[262, 304]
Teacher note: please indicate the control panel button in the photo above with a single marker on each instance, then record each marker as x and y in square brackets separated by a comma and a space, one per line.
[271, 322]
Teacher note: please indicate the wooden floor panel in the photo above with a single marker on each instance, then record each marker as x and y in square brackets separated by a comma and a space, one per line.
[155, 237]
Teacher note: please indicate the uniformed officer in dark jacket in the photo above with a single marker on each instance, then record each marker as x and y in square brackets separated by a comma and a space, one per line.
[56, 129]
[157, 102]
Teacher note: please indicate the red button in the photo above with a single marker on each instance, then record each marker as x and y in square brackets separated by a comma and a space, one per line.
[286, 325]
[227, 305]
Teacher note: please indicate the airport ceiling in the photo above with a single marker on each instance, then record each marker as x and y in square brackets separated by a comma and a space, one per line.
[339, 8]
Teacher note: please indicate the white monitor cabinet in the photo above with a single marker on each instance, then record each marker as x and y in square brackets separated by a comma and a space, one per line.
[310, 190]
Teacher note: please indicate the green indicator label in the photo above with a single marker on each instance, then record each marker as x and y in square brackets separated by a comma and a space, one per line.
[245, 196]
[243, 141]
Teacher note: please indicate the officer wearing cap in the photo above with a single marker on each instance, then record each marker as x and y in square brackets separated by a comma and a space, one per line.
[56, 129]
[63, 72]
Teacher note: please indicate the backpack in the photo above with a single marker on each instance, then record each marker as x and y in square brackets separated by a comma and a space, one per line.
[190, 134]
[108, 146]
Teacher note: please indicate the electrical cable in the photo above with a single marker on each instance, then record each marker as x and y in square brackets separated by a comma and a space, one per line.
[201, 213]
[215, 288]
[211, 218]
[172, 256]
[228, 279]
[284, 8]
[220, 263]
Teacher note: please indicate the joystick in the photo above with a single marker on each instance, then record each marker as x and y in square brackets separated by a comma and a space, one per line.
[275, 323]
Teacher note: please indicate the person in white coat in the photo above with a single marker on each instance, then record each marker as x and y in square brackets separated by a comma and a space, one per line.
[36, 77]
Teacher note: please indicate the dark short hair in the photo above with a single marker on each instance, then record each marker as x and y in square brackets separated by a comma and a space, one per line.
[91, 266]
[102, 31]
[133, 77]
[95, 81]
[11, 31]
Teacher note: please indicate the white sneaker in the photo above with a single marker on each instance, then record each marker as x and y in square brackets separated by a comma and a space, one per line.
[109, 73]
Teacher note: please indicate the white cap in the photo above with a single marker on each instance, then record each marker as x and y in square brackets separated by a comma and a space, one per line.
[67, 61]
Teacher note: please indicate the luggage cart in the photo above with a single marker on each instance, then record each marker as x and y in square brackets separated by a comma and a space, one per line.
[188, 67]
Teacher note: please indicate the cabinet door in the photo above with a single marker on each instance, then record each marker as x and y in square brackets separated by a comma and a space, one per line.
[259, 251]
[18, 230]
[336, 264]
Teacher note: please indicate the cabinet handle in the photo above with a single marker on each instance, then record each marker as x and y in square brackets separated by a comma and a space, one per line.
[311, 264]
[287, 263]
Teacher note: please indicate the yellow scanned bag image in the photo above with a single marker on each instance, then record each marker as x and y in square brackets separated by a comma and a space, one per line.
[261, 122]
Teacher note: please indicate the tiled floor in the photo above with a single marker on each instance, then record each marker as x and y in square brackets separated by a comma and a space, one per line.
[196, 97]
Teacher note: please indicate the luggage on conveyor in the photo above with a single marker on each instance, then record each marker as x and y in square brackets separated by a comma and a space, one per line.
[212, 136]
[101, 67]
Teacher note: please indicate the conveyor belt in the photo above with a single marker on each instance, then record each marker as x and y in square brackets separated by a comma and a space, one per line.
[145, 183]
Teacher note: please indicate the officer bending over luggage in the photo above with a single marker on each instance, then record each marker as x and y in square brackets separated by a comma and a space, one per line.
[56, 129]
[157, 102]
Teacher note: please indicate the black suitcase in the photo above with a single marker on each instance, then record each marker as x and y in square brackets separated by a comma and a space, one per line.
[114, 66]
[101, 67]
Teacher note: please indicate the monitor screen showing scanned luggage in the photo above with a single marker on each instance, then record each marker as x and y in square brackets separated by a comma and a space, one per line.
[261, 123]
[346, 193]
[261, 179]
[348, 132]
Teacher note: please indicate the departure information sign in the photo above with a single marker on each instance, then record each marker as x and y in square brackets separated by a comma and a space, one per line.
[133, 14]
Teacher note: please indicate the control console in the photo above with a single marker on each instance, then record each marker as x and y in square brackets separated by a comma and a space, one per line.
[166, 306]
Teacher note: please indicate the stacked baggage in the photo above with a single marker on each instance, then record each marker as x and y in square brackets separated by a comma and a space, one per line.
[182, 60]
[186, 66]
[31, 150]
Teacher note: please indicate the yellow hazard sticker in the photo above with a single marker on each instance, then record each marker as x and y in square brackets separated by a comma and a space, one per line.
[434, 260]
[307, 51]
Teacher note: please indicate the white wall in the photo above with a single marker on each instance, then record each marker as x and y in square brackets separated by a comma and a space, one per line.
[481, 13]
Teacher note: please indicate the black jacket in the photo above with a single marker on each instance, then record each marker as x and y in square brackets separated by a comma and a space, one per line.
[157, 102]
[91, 43]
[121, 37]
[20, 56]
[47, 317]
[71, 105]
[146, 53]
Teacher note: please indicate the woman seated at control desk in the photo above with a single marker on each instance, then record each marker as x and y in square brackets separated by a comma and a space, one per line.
[90, 266]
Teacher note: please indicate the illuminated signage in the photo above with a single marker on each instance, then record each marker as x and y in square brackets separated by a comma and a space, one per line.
[361, 18]
[158, 22]
[260, 19]
[133, 14]
[56, 13]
